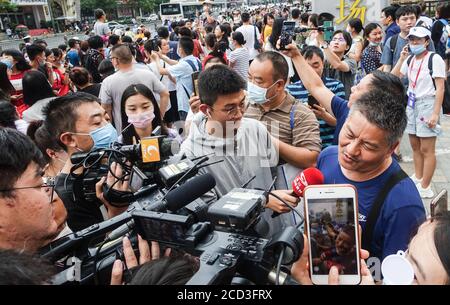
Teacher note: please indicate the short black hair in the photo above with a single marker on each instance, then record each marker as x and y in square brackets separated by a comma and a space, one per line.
[245, 17]
[72, 42]
[95, 42]
[389, 11]
[279, 64]
[185, 32]
[295, 13]
[106, 68]
[356, 23]
[40, 42]
[127, 39]
[404, 11]
[35, 87]
[348, 38]
[113, 39]
[309, 51]
[37, 131]
[98, 13]
[8, 115]
[17, 152]
[62, 47]
[187, 44]
[304, 17]
[57, 52]
[238, 37]
[80, 76]
[18, 268]
[218, 80]
[61, 113]
[34, 50]
[383, 109]
[163, 32]
[388, 82]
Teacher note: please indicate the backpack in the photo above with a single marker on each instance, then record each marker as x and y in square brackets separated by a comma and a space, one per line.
[257, 45]
[194, 69]
[446, 101]
[393, 43]
[444, 41]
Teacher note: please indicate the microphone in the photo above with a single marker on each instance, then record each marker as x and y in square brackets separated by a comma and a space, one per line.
[184, 194]
[309, 176]
[175, 200]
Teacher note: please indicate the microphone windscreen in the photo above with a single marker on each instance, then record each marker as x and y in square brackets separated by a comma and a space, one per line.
[310, 176]
[189, 191]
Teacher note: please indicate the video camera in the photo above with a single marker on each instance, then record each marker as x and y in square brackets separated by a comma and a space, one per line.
[147, 157]
[222, 234]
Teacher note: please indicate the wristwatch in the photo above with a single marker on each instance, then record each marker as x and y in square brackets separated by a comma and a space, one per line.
[324, 46]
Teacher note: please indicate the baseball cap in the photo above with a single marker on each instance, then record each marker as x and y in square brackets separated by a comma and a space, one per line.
[419, 31]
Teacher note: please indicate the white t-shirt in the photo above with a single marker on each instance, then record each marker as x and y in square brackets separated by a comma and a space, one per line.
[171, 86]
[248, 31]
[240, 58]
[424, 87]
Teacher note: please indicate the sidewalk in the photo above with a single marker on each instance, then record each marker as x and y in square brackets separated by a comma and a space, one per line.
[441, 178]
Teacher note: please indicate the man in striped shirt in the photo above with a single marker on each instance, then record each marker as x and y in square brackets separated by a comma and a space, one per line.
[327, 122]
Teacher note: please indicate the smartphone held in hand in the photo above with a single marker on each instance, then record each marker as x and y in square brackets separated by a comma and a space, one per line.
[333, 233]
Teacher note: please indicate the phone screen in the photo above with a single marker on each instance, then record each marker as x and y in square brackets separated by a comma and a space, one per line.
[331, 224]
[439, 203]
[287, 34]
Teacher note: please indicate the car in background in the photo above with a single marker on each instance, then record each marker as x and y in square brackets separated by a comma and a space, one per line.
[114, 25]
[153, 17]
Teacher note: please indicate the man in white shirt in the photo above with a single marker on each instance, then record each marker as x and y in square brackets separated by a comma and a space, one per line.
[100, 27]
[250, 32]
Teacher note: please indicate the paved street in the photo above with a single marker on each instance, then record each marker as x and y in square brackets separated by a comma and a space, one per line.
[55, 40]
[441, 178]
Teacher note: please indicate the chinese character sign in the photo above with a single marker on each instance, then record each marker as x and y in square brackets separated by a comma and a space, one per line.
[351, 9]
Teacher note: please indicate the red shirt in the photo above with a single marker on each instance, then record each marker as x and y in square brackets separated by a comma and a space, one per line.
[16, 81]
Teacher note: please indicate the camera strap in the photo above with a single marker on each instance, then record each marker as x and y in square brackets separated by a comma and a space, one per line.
[374, 213]
[117, 198]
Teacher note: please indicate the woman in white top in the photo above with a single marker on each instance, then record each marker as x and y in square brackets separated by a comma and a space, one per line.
[240, 56]
[163, 48]
[425, 97]
[313, 22]
[355, 27]
[37, 93]
[272, 42]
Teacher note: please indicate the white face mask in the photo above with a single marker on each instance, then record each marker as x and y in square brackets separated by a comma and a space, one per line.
[257, 94]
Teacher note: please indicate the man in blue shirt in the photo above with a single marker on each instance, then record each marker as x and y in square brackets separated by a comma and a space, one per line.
[315, 58]
[406, 19]
[182, 72]
[363, 158]
[72, 55]
[333, 104]
[388, 20]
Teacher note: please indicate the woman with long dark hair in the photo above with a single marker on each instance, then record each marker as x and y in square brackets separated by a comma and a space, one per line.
[16, 62]
[140, 115]
[37, 93]
[371, 54]
[6, 88]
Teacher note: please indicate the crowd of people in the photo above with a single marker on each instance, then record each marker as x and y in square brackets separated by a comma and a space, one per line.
[340, 105]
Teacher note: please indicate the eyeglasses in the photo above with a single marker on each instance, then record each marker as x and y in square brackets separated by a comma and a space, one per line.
[340, 40]
[232, 112]
[48, 187]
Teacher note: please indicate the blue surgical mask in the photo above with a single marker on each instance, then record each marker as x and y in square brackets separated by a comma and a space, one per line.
[417, 50]
[374, 44]
[103, 136]
[8, 63]
[256, 94]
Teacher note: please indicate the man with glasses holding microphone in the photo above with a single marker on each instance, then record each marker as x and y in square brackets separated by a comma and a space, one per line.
[26, 214]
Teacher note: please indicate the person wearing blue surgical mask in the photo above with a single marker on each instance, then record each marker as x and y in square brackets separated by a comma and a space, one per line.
[78, 123]
[371, 54]
[426, 74]
[298, 132]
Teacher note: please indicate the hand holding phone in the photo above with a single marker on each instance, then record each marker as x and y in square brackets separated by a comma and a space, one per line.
[287, 34]
[333, 233]
[312, 101]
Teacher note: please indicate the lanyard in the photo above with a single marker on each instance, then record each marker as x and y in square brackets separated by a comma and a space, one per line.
[414, 84]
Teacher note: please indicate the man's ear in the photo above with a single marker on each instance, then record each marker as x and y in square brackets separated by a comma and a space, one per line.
[203, 108]
[394, 147]
[68, 139]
